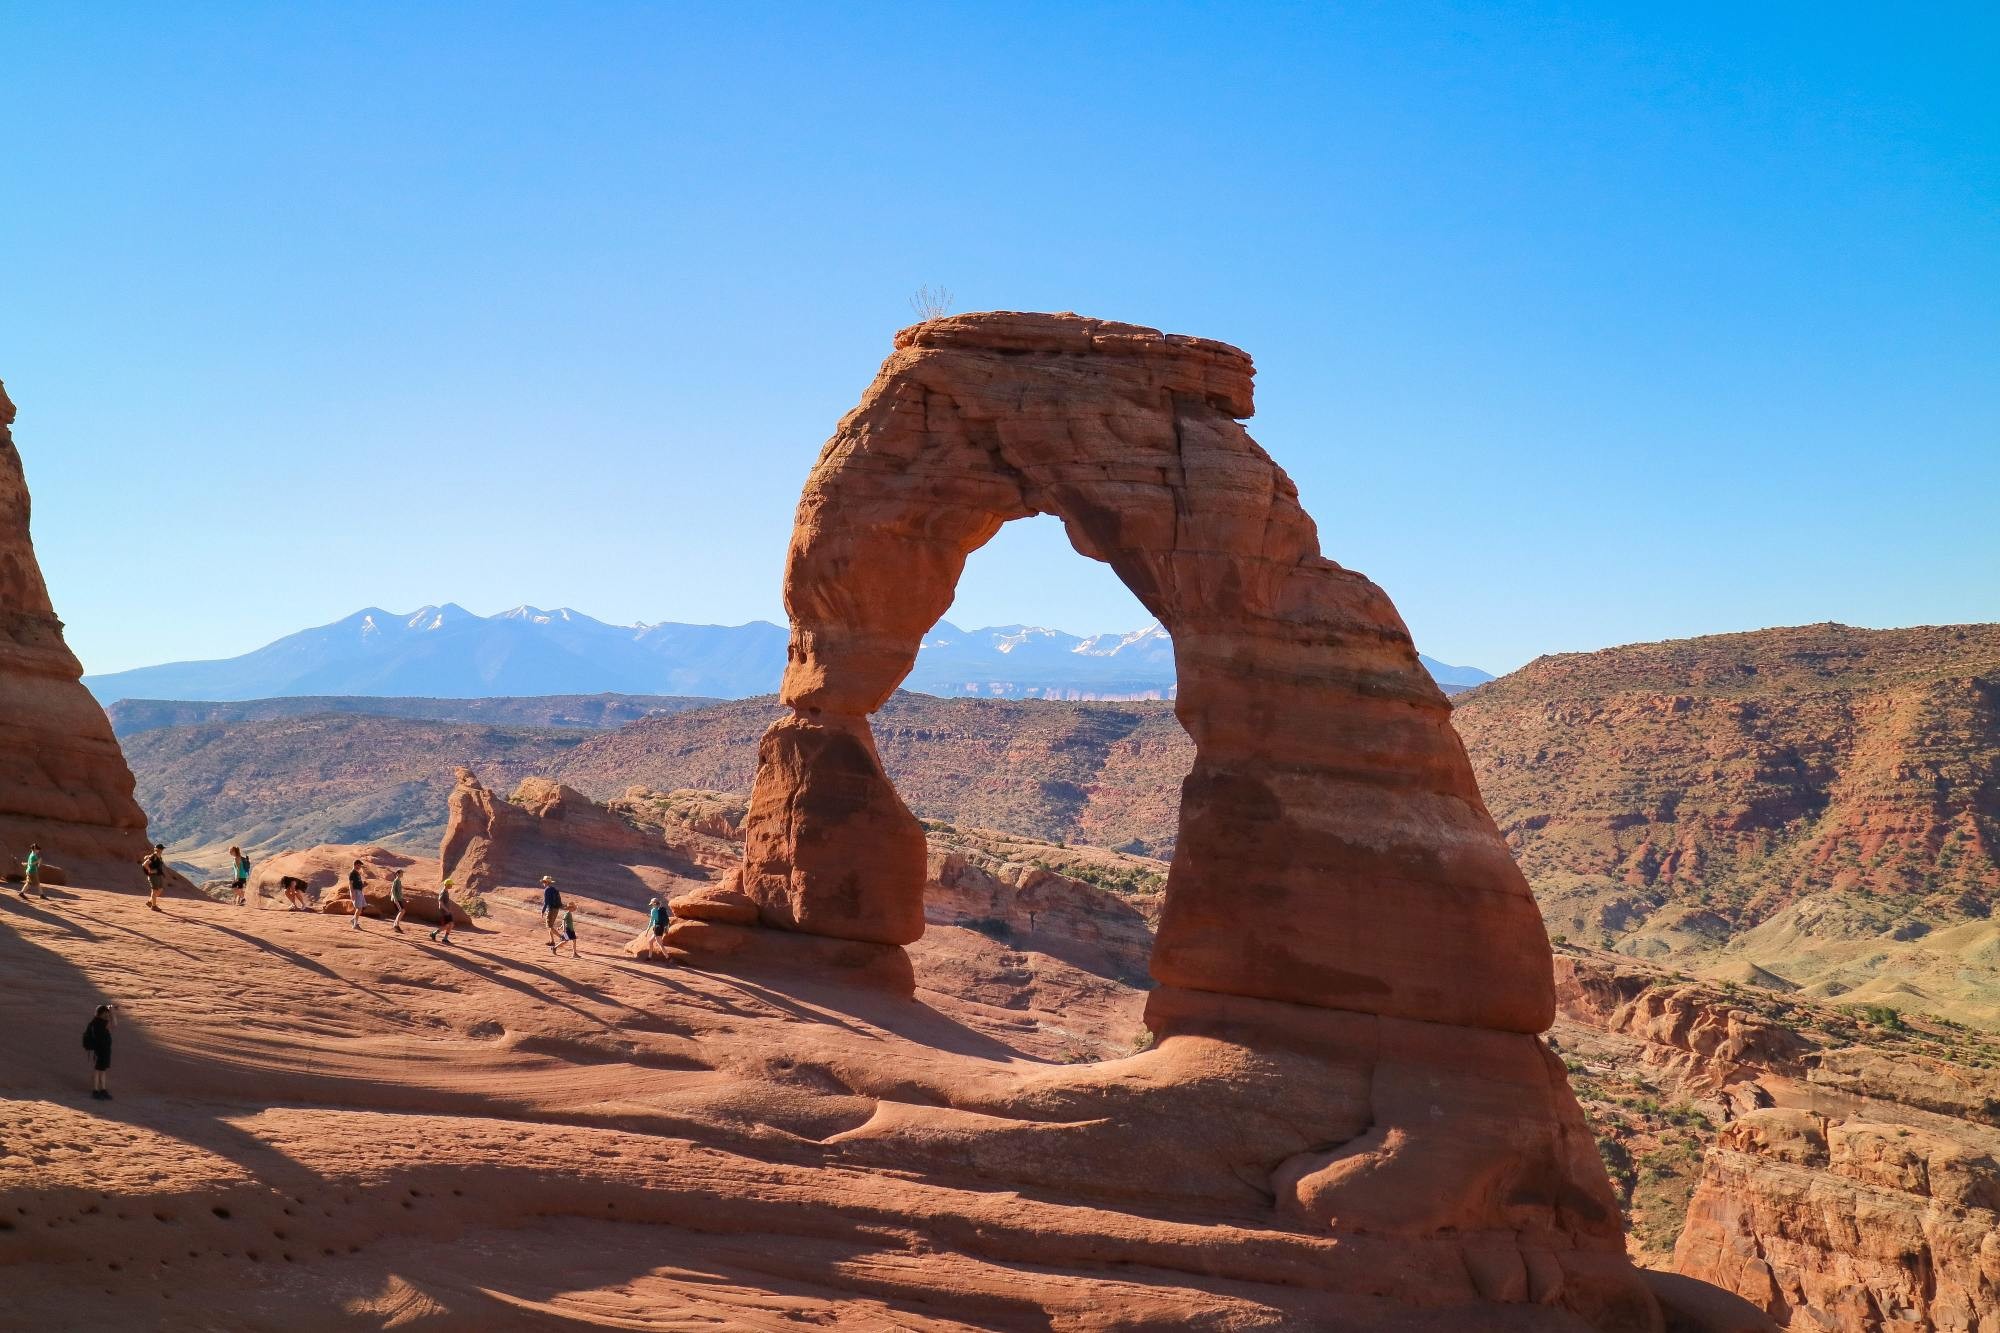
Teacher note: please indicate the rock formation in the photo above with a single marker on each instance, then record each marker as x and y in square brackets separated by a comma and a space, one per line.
[63, 780]
[607, 852]
[1818, 785]
[1851, 1225]
[324, 870]
[1353, 969]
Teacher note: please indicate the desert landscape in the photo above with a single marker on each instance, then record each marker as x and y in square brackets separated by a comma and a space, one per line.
[999, 866]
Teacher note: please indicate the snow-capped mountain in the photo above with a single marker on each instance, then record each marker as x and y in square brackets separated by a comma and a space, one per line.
[448, 652]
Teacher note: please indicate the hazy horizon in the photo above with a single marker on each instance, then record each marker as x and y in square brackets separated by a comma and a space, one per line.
[1574, 328]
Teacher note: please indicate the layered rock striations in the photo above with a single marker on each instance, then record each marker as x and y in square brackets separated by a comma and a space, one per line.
[63, 781]
[1745, 771]
[1352, 968]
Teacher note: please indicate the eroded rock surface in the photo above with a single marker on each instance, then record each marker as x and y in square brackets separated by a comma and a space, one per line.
[608, 852]
[1353, 971]
[63, 780]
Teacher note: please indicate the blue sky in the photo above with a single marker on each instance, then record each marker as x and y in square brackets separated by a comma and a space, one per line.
[1576, 326]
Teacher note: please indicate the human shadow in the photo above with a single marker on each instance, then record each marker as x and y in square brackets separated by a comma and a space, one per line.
[23, 907]
[270, 946]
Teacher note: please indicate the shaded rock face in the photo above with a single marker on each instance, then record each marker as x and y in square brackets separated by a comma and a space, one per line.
[63, 780]
[1353, 968]
[1333, 848]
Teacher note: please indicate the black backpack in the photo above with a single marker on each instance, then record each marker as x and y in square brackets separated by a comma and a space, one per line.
[90, 1037]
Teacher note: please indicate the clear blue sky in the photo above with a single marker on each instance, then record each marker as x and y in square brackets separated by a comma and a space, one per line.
[1575, 327]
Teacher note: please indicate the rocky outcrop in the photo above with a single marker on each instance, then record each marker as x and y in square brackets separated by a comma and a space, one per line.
[546, 828]
[63, 781]
[324, 870]
[1849, 1225]
[1353, 969]
[1711, 1042]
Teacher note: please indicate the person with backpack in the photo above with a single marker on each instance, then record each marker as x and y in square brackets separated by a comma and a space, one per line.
[396, 900]
[154, 863]
[569, 933]
[357, 893]
[97, 1040]
[444, 914]
[239, 869]
[656, 923]
[31, 872]
[552, 906]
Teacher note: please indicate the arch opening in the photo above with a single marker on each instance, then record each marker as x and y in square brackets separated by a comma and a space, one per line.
[1332, 847]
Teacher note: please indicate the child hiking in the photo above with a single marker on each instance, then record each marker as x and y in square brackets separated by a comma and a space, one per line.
[569, 933]
[396, 900]
[31, 872]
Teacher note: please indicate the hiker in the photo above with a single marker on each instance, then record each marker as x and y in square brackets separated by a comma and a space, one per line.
[656, 919]
[569, 933]
[357, 893]
[154, 863]
[239, 870]
[396, 900]
[294, 890]
[31, 873]
[552, 906]
[444, 914]
[97, 1040]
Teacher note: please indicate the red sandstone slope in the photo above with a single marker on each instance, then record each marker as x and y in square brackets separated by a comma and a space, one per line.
[1733, 775]
[317, 1128]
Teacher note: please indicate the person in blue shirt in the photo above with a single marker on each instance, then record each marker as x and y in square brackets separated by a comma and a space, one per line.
[656, 921]
[239, 869]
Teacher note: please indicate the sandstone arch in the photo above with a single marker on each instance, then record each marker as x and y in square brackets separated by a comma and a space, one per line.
[1333, 849]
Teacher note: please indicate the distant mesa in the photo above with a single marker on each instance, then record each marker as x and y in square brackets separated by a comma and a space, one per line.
[448, 652]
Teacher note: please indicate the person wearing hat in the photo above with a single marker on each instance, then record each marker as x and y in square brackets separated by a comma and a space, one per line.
[444, 913]
[552, 907]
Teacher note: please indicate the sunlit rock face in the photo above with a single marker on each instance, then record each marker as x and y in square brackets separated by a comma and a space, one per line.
[1352, 971]
[63, 780]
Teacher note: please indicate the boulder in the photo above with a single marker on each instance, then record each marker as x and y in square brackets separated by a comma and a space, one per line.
[607, 852]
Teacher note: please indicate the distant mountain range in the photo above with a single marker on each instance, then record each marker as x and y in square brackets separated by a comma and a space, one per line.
[447, 652]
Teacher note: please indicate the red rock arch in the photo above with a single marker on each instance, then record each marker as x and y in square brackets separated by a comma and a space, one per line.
[1333, 848]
